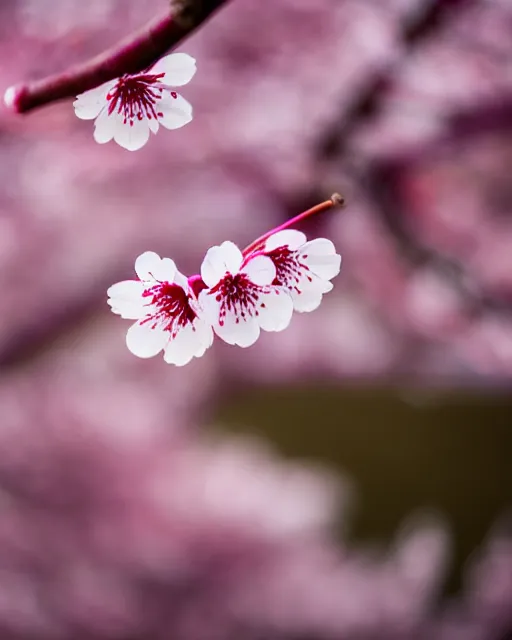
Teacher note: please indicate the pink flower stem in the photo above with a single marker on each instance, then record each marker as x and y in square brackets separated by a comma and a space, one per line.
[335, 200]
[134, 54]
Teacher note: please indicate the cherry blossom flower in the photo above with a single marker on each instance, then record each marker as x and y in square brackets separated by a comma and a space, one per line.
[166, 311]
[240, 299]
[303, 268]
[237, 295]
[128, 108]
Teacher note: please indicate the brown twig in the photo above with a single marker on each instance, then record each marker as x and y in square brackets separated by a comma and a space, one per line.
[135, 53]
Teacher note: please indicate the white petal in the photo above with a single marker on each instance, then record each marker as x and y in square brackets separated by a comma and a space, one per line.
[104, 127]
[149, 266]
[319, 247]
[153, 125]
[210, 307]
[126, 290]
[89, 104]
[275, 310]
[145, 342]
[88, 110]
[165, 271]
[128, 310]
[325, 267]
[219, 260]
[326, 286]
[204, 332]
[321, 257]
[181, 349]
[125, 299]
[176, 112]
[145, 264]
[236, 330]
[180, 279]
[179, 68]
[287, 238]
[311, 289]
[307, 300]
[311, 282]
[133, 135]
[191, 341]
[260, 269]
[243, 333]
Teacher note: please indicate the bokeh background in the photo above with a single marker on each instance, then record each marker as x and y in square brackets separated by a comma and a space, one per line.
[349, 478]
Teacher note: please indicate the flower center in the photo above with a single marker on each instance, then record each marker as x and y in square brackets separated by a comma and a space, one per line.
[136, 97]
[289, 270]
[237, 295]
[171, 308]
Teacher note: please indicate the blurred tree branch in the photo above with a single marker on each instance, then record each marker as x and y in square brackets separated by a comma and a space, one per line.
[133, 54]
[369, 100]
[380, 179]
[466, 124]
[382, 184]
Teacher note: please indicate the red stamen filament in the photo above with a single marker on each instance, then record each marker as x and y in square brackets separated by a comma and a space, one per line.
[171, 308]
[136, 96]
[237, 295]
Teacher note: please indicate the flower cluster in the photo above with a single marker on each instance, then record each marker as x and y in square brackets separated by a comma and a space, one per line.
[237, 295]
[128, 108]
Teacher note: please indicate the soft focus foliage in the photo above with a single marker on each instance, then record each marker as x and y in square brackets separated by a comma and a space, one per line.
[120, 521]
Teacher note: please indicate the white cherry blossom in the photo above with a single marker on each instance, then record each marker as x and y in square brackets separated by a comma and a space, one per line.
[128, 108]
[303, 268]
[166, 310]
[240, 299]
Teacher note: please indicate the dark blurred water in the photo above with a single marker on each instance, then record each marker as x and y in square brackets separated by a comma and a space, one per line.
[446, 452]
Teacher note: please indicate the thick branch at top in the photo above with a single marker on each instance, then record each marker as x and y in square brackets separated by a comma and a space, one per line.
[135, 53]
